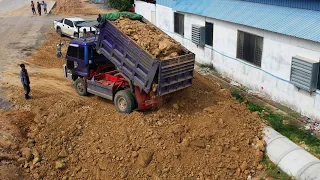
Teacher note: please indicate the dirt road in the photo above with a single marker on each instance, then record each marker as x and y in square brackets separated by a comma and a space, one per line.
[199, 133]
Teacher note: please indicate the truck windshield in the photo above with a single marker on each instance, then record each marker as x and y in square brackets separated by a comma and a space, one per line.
[78, 22]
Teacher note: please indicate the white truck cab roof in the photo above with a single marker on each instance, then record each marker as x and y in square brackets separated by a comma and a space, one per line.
[75, 19]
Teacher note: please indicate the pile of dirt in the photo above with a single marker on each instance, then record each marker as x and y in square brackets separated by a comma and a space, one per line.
[13, 135]
[149, 38]
[71, 7]
[200, 132]
[46, 55]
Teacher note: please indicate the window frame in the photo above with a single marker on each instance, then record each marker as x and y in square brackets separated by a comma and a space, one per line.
[77, 51]
[70, 23]
[255, 62]
[178, 30]
[206, 33]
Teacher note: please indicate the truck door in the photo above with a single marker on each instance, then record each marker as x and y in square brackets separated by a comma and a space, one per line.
[77, 54]
[68, 27]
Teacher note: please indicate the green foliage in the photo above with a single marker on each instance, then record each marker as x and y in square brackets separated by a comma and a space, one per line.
[241, 98]
[290, 130]
[293, 132]
[274, 171]
[121, 5]
[255, 107]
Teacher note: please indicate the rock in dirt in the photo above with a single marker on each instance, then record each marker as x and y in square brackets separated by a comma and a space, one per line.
[21, 160]
[145, 157]
[198, 143]
[36, 176]
[185, 142]
[208, 110]
[260, 167]
[236, 149]
[134, 154]
[225, 92]
[259, 156]
[35, 160]
[35, 152]
[26, 152]
[60, 165]
[244, 166]
[175, 106]
[259, 145]
[103, 163]
[63, 153]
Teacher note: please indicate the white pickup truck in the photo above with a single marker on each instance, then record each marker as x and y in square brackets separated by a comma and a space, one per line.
[71, 27]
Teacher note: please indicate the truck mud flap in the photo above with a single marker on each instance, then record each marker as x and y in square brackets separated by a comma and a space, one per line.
[175, 74]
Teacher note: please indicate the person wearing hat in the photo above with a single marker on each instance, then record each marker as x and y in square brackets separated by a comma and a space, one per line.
[25, 81]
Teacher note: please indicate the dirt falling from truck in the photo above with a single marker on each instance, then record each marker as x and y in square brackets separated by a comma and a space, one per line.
[150, 38]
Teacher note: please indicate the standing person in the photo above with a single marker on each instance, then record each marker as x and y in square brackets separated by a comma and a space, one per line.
[44, 5]
[86, 34]
[39, 8]
[24, 77]
[33, 9]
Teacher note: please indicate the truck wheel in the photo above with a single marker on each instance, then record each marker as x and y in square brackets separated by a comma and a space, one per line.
[124, 101]
[59, 31]
[80, 87]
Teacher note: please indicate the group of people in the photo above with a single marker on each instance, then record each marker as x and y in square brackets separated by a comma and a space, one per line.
[44, 6]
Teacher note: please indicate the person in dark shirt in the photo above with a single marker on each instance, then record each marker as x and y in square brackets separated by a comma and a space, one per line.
[24, 77]
[33, 9]
[39, 8]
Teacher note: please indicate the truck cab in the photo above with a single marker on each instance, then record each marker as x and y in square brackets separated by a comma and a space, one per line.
[82, 57]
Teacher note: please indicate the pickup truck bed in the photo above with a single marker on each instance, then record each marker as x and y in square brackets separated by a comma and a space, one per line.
[141, 68]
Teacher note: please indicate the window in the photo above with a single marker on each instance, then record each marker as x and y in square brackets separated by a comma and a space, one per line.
[179, 23]
[250, 48]
[68, 22]
[72, 51]
[209, 33]
[318, 83]
[81, 52]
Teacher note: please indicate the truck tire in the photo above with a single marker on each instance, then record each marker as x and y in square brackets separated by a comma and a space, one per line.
[80, 86]
[59, 31]
[124, 101]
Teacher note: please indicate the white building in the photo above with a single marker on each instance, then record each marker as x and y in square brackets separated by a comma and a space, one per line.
[253, 42]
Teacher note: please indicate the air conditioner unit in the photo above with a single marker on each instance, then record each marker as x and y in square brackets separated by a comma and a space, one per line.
[198, 35]
[304, 73]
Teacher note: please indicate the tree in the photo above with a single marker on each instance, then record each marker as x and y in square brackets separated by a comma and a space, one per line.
[121, 5]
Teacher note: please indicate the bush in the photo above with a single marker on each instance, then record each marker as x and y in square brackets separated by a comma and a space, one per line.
[121, 5]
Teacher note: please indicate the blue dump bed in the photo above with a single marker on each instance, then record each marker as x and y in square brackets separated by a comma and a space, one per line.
[141, 68]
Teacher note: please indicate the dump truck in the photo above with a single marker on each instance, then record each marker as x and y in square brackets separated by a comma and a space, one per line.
[111, 65]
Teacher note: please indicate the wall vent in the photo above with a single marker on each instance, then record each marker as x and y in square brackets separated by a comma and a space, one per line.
[198, 35]
[304, 73]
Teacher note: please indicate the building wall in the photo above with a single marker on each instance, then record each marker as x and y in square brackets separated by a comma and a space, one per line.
[271, 80]
[146, 8]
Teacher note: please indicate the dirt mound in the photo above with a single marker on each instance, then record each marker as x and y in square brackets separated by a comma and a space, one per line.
[13, 135]
[71, 7]
[198, 133]
[46, 55]
[149, 38]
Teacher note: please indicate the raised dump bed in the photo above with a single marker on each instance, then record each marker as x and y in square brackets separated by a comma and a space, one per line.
[144, 69]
